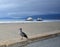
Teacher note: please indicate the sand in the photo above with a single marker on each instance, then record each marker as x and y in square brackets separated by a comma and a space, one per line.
[11, 30]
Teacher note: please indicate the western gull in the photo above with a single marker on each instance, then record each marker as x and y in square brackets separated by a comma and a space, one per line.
[22, 34]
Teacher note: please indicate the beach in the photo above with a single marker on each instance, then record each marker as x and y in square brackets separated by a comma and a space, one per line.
[11, 30]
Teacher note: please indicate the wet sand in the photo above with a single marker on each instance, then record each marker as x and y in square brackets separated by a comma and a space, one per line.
[11, 30]
[51, 42]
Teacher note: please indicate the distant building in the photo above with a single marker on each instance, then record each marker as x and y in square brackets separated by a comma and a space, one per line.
[29, 19]
[39, 19]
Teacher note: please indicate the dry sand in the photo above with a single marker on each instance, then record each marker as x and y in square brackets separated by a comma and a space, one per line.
[11, 30]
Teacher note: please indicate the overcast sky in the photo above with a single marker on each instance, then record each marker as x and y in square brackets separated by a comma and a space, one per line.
[28, 7]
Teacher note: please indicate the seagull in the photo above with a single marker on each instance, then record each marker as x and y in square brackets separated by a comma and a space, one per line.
[22, 34]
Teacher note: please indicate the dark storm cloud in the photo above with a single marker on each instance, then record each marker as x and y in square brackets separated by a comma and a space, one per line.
[28, 7]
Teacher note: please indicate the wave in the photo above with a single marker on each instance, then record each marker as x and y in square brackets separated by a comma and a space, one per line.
[12, 21]
[23, 18]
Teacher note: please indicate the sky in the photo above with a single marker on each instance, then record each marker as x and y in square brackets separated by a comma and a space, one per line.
[16, 8]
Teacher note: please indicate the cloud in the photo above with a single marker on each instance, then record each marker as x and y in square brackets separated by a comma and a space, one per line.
[18, 14]
[28, 7]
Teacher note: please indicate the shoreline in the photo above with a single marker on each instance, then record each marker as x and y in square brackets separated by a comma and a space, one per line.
[29, 21]
[9, 31]
[34, 38]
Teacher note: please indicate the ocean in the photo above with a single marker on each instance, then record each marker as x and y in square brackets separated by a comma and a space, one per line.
[45, 18]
